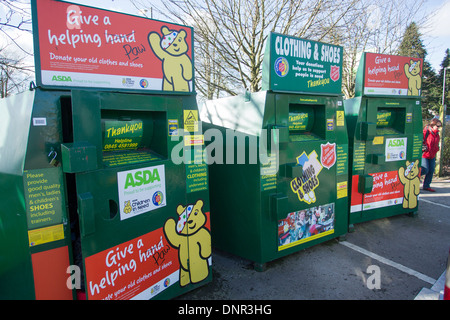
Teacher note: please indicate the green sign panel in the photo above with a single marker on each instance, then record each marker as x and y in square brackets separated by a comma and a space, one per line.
[44, 197]
[299, 65]
[122, 135]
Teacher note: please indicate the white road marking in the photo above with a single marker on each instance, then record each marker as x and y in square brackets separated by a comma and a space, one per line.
[438, 204]
[388, 262]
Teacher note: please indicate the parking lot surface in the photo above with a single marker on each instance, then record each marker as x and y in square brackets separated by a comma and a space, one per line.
[394, 258]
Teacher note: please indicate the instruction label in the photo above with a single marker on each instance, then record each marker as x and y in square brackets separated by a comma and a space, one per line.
[196, 172]
[359, 154]
[417, 146]
[45, 235]
[269, 174]
[342, 159]
[43, 197]
[342, 190]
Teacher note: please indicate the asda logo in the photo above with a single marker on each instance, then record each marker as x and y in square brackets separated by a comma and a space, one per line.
[141, 190]
[62, 78]
[139, 178]
[396, 143]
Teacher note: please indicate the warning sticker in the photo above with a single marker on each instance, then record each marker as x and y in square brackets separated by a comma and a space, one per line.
[190, 120]
[340, 118]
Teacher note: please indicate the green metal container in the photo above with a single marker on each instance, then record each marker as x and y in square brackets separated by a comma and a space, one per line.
[279, 184]
[70, 201]
[385, 137]
[102, 191]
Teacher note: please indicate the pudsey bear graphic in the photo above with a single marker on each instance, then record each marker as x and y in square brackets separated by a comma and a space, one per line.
[411, 182]
[412, 72]
[172, 50]
[192, 240]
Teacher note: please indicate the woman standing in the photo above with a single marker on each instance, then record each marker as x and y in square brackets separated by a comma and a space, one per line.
[431, 140]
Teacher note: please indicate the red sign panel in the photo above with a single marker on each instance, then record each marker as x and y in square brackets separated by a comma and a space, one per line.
[392, 75]
[142, 268]
[387, 191]
[81, 46]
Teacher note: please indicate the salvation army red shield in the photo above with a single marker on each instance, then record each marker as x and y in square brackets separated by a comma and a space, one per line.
[335, 73]
[328, 155]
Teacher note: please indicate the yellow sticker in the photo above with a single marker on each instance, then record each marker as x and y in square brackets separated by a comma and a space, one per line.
[340, 116]
[342, 190]
[194, 140]
[45, 235]
[378, 140]
[190, 120]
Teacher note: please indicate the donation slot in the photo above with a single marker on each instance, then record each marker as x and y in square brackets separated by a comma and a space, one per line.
[306, 122]
[133, 136]
[390, 121]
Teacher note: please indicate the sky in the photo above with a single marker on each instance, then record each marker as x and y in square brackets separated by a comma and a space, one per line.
[435, 36]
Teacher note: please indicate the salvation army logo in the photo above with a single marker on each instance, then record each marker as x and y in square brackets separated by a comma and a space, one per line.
[335, 73]
[328, 155]
[157, 198]
[281, 67]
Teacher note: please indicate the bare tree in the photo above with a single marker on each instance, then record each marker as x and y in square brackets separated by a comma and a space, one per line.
[230, 34]
[374, 26]
[15, 21]
[14, 76]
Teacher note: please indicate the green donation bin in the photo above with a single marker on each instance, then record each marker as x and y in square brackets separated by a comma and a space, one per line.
[92, 204]
[279, 182]
[384, 122]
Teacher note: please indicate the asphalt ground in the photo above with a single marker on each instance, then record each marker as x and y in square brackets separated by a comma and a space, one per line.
[386, 259]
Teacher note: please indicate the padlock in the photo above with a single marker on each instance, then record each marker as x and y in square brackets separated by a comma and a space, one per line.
[52, 156]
